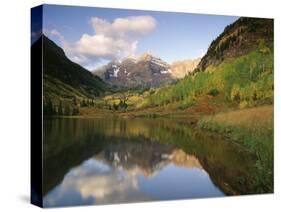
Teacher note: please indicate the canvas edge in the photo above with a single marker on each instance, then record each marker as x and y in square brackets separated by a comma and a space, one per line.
[36, 118]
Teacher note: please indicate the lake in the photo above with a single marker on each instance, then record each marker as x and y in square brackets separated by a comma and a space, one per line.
[112, 160]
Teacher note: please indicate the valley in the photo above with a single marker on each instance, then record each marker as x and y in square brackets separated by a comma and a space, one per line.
[228, 92]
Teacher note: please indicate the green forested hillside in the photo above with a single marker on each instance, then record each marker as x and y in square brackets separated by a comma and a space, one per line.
[237, 73]
[238, 66]
[237, 39]
[246, 80]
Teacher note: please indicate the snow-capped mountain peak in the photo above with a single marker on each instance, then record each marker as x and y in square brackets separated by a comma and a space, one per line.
[146, 70]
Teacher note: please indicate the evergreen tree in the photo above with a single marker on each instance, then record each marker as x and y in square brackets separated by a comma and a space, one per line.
[75, 100]
[49, 108]
[67, 111]
[75, 111]
[115, 106]
[83, 103]
[60, 111]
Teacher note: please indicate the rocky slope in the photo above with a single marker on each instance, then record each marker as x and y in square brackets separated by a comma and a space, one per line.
[182, 68]
[237, 39]
[144, 71]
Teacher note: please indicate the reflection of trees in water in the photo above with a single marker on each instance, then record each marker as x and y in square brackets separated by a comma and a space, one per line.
[147, 157]
[148, 144]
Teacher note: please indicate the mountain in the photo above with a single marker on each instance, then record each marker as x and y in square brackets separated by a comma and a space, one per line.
[238, 67]
[239, 38]
[63, 78]
[144, 71]
[182, 68]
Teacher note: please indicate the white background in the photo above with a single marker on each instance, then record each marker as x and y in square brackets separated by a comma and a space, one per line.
[15, 102]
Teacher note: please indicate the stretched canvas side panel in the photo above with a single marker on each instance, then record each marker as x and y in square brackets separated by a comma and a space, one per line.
[36, 105]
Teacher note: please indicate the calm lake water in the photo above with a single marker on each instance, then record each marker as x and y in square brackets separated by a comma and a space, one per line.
[105, 161]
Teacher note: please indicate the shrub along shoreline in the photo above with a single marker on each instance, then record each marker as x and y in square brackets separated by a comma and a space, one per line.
[253, 128]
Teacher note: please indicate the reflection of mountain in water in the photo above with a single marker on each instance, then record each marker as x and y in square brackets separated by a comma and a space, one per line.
[143, 147]
[122, 170]
[148, 157]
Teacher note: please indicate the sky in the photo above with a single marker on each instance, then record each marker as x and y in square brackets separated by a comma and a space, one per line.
[94, 36]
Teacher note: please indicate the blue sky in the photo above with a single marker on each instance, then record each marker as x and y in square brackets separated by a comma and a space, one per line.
[171, 36]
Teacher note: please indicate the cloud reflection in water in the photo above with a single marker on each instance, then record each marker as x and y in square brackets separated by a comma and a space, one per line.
[98, 182]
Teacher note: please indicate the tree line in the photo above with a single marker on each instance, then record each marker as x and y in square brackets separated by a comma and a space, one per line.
[65, 107]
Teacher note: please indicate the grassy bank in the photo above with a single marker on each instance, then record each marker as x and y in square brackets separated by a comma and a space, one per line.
[252, 128]
[246, 80]
[233, 98]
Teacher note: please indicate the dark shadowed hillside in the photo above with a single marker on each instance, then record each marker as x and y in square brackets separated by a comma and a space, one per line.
[62, 77]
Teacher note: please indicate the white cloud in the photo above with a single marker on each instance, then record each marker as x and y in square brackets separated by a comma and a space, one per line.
[124, 27]
[111, 40]
[96, 181]
[54, 32]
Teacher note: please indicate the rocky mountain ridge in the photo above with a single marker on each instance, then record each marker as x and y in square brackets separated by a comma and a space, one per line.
[237, 39]
[146, 70]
